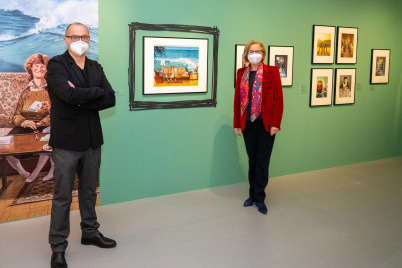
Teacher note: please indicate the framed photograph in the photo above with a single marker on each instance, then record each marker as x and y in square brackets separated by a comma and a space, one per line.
[323, 44]
[346, 45]
[188, 72]
[239, 63]
[345, 84]
[380, 66]
[282, 57]
[321, 87]
[175, 65]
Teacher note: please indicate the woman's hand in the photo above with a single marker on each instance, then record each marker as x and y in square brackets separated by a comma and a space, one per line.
[237, 131]
[31, 124]
[46, 106]
[273, 130]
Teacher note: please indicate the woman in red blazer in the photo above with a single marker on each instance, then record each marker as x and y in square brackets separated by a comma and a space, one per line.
[258, 108]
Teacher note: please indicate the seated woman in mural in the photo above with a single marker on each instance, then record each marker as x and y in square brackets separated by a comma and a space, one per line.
[33, 113]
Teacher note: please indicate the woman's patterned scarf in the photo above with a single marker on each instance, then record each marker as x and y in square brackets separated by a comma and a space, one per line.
[244, 88]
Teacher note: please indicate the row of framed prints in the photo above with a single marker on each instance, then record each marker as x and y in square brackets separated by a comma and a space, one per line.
[345, 80]
[280, 56]
[322, 84]
[324, 45]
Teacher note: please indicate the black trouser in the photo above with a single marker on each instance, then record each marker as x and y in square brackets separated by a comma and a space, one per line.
[259, 145]
[66, 165]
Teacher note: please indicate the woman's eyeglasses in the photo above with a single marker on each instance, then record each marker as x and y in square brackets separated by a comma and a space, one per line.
[254, 52]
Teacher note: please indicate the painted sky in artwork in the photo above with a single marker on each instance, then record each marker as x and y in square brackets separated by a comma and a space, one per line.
[29, 27]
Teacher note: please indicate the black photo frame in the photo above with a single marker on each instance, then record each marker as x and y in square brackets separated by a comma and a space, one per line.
[149, 105]
[321, 85]
[283, 58]
[323, 51]
[239, 49]
[345, 86]
[379, 71]
[346, 46]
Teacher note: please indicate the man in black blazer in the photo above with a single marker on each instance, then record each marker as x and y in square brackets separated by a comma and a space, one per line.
[78, 90]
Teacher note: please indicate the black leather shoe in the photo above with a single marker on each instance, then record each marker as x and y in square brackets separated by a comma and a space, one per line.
[249, 202]
[262, 208]
[58, 260]
[99, 241]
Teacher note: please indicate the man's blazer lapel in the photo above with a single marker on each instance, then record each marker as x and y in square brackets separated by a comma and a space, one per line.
[91, 72]
[78, 73]
[76, 70]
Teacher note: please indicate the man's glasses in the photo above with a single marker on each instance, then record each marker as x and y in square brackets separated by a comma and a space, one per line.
[75, 38]
[254, 51]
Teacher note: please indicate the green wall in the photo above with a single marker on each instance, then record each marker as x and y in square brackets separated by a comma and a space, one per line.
[398, 118]
[159, 152]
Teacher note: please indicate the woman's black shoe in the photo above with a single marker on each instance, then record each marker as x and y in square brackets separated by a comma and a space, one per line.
[249, 202]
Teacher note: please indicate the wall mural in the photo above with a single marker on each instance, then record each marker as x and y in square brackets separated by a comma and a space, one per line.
[31, 33]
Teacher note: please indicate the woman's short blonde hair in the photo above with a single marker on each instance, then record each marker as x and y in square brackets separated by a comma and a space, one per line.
[247, 48]
[34, 59]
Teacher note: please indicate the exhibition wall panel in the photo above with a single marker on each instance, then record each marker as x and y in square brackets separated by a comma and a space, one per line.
[158, 152]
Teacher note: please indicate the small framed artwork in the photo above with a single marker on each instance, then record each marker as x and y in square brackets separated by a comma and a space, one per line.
[323, 44]
[239, 63]
[347, 45]
[321, 87]
[282, 57]
[175, 65]
[345, 83]
[380, 66]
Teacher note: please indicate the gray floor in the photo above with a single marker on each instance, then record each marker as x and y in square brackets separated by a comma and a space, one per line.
[348, 216]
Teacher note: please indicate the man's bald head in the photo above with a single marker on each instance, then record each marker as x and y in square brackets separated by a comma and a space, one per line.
[74, 25]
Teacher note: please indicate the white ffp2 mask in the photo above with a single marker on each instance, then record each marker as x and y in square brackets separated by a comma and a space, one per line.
[79, 47]
[254, 58]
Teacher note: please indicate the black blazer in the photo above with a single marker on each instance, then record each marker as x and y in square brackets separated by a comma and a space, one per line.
[74, 116]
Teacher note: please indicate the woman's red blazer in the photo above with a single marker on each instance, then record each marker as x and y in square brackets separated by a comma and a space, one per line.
[271, 102]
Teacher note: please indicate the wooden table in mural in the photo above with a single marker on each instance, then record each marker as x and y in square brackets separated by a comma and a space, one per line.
[22, 144]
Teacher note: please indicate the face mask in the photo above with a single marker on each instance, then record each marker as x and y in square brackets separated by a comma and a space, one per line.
[79, 48]
[254, 58]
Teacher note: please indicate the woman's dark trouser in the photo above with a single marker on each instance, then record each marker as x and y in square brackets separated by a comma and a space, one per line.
[259, 144]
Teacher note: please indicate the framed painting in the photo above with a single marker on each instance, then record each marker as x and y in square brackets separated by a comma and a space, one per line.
[345, 84]
[323, 44]
[239, 63]
[321, 87]
[282, 57]
[347, 45]
[156, 82]
[379, 73]
[175, 65]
